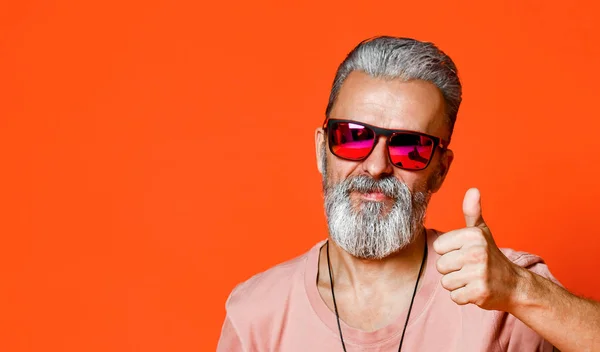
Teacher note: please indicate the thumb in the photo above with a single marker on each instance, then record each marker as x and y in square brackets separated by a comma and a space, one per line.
[472, 208]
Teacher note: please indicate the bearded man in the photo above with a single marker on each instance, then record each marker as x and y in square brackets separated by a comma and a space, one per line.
[382, 281]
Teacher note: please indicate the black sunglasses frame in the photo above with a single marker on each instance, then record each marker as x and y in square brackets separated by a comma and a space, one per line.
[379, 131]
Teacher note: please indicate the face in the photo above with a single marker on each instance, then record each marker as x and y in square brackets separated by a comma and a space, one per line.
[373, 208]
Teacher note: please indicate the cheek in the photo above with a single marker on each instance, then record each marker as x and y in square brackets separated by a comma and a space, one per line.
[432, 181]
[338, 170]
[417, 181]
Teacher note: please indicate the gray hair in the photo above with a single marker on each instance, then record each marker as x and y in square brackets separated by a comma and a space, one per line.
[406, 59]
[371, 232]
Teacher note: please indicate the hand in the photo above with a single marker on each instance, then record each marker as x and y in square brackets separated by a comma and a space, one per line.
[474, 269]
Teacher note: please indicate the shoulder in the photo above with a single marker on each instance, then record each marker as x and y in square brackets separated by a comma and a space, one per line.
[522, 259]
[269, 289]
[530, 261]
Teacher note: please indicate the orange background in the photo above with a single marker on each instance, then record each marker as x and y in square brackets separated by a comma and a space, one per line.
[154, 154]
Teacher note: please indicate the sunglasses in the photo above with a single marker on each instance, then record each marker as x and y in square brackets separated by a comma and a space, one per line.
[408, 150]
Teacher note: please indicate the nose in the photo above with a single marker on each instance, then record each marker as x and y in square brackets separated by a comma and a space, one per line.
[378, 163]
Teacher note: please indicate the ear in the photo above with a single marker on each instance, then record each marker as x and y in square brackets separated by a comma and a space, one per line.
[319, 145]
[445, 162]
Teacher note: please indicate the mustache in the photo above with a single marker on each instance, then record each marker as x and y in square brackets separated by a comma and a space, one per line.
[389, 186]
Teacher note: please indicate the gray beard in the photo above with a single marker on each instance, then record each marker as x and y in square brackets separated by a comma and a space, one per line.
[367, 230]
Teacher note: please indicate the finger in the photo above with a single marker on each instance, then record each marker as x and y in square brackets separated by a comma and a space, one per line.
[472, 208]
[460, 296]
[457, 239]
[449, 262]
[447, 242]
[455, 280]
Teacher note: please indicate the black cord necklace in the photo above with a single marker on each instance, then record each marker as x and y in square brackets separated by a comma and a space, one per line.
[409, 307]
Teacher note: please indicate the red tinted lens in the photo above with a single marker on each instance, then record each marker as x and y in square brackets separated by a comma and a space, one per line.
[350, 140]
[411, 151]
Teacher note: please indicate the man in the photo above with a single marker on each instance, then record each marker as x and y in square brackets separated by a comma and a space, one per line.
[383, 282]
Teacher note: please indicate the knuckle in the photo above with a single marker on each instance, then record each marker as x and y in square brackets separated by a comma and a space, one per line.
[478, 254]
[482, 292]
[440, 266]
[458, 298]
[482, 273]
[483, 241]
[454, 295]
[475, 234]
[437, 245]
[445, 281]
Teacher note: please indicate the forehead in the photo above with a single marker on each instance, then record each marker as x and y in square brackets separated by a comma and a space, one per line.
[391, 103]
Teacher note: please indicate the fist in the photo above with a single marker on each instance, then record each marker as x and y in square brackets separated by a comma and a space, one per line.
[474, 269]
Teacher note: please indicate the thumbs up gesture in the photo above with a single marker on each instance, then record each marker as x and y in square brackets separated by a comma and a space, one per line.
[474, 269]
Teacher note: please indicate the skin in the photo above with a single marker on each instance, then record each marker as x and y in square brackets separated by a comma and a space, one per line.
[476, 272]
[372, 293]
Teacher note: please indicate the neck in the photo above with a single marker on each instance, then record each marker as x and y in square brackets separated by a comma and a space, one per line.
[397, 270]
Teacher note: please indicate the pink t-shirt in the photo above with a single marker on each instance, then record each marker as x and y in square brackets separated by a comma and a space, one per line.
[282, 310]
